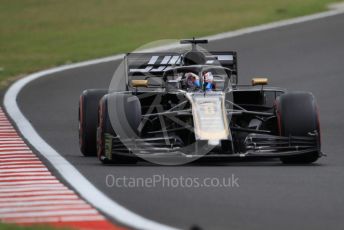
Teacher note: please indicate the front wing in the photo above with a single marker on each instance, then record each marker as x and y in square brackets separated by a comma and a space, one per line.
[256, 145]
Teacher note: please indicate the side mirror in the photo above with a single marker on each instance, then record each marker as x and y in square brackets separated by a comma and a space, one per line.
[139, 83]
[259, 81]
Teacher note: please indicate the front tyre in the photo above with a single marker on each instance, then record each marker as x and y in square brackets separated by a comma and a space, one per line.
[105, 132]
[297, 115]
[88, 116]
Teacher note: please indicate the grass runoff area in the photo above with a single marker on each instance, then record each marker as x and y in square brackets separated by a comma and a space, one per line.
[38, 34]
[32, 227]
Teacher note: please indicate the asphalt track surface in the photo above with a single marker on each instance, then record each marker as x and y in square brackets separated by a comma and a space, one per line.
[307, 56]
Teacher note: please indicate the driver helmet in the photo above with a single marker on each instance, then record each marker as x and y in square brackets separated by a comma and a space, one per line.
[192, 81]
[208, 80]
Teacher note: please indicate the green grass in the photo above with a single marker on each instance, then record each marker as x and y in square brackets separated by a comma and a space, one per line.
[36, 34]
[32, 227]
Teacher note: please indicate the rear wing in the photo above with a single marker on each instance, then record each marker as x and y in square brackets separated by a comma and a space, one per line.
[141, 65]
[226, 59]
[153, 63]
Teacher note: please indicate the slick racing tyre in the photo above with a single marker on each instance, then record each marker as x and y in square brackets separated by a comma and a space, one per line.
[88, 116]
[297, 116]
[126, 110]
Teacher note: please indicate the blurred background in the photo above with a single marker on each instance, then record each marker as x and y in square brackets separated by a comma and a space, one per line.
[37, 34]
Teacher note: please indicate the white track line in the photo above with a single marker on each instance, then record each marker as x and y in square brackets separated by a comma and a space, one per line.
[18, 141]
[34, 183]
[20, 163]
[30, 194]
[56, 219]
[2, 149]
[32, 188]
[54, 213]
[40, 198]
[24, 170]
[68, 171]
[40, 203]
[10, 139]
[50, 177]
[12, 144]
[31, 158]
[16, 152]
[25, 174]
[18, 156]
[15, 183]
[21, 167]
[5, 209]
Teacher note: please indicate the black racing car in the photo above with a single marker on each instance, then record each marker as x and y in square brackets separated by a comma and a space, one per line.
[190, 105]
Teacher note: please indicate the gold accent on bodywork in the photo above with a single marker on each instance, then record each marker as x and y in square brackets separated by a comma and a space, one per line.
[210, 135]
[259, 81]
[139, 83]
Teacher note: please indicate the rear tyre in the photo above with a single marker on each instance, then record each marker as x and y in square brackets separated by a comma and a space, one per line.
[131, 115]
[297, 115]
[88, 116]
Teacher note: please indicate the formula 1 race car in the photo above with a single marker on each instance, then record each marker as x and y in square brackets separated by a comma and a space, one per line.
[190, 105]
